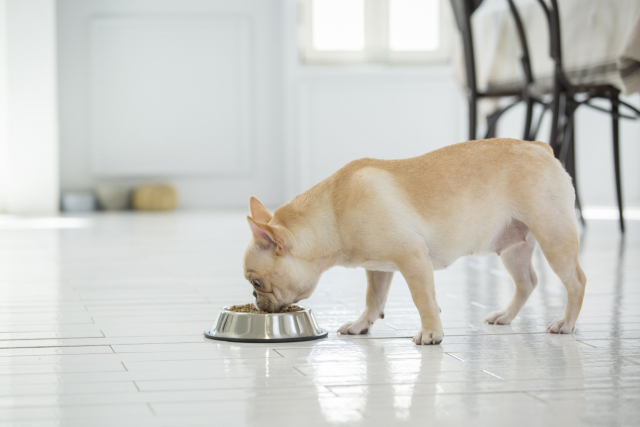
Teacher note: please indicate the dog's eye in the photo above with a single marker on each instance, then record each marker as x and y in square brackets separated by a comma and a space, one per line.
[255, 283]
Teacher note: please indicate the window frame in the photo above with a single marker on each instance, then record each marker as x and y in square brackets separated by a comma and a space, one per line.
[376, 50]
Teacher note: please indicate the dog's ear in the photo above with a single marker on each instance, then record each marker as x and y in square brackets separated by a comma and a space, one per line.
[267, 234]
[258, 211]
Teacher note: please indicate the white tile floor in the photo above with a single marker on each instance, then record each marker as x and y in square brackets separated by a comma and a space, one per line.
[102, 325]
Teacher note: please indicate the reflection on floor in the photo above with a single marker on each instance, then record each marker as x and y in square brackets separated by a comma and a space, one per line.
[101, 324]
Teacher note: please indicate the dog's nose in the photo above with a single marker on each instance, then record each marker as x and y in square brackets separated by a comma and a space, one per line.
[255, 294]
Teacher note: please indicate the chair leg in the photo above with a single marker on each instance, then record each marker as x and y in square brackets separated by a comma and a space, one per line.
[473, 116]
[555, 116]
[615, 121]
[533, 134]
[528, 119]
[579, 206]
[571, 165]
[568, 150]
[492, 124]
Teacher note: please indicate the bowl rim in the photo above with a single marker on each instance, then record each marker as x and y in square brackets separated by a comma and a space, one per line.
[225, 309]
[323, 334]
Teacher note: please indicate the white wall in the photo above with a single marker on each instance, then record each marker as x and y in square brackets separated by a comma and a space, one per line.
[383, 112]
[28, 111]
[4, 131]
[239, 116]
[335, 114]
[264, 125]
[186, 92]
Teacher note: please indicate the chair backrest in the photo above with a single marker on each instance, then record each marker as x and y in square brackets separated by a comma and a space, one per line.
[553, 18]
[526, 61]
[462, 11]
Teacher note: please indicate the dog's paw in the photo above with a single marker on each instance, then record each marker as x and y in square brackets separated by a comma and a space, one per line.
[425, 337]
[499, 318]
[560, 326]
[355, 328]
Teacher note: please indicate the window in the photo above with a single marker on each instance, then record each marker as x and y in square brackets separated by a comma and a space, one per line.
[373, 31]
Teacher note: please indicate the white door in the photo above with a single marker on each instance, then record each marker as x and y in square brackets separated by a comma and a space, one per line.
[181, 91]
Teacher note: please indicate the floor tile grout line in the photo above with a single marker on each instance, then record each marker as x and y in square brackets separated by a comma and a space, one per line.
[391, 326]
[61, 324]
[208, 358]
[105, 344]
[333, 363]
[40, 331]
[153, 412]
[42, 339]
[354, 337]
[119, 354]
[530, 393]
[331, 391]
[59, 346]
[277, 352]
[628, 359]
[180, 304]
[484, 392]
[332, 395]
[504, 391]
[592, 346]
[600, 376]
[78, 405]
[145, 352]
[492, 374]
[264, 388]
[124, 366]
[455, 357]
[298, 370]
[433, 381]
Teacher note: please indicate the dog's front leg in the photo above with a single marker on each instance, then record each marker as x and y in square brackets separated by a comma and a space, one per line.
[418, 272]
[378, 283]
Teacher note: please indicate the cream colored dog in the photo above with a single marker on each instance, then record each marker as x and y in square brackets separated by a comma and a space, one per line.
[419, 215]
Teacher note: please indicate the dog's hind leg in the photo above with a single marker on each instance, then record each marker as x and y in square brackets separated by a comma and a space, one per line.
[557, 235]
[378, 283]
[517, 261]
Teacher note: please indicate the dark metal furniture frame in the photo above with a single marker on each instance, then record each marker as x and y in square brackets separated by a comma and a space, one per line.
[565, 96]
[463, 9]
[564, 105]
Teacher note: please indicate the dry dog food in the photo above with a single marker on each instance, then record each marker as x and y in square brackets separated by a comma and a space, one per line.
[250, 308]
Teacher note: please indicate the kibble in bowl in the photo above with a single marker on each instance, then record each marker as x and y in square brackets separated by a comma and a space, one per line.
[251, 308]
[239, 323]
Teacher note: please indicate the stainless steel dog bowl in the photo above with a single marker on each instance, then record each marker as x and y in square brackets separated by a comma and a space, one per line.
[272, 327]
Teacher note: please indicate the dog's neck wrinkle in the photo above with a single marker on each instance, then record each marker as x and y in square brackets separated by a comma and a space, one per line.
[312, 228]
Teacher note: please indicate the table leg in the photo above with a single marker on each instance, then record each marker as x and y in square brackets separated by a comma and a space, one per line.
[615, 121]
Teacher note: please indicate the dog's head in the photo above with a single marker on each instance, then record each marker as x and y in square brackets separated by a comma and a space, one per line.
[278, 277]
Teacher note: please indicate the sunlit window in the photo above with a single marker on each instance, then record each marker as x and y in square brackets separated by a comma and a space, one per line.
[338, 25]
[414, 25]
[376, 31]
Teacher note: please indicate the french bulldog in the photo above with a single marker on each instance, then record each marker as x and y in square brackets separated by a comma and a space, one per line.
[418, 215]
